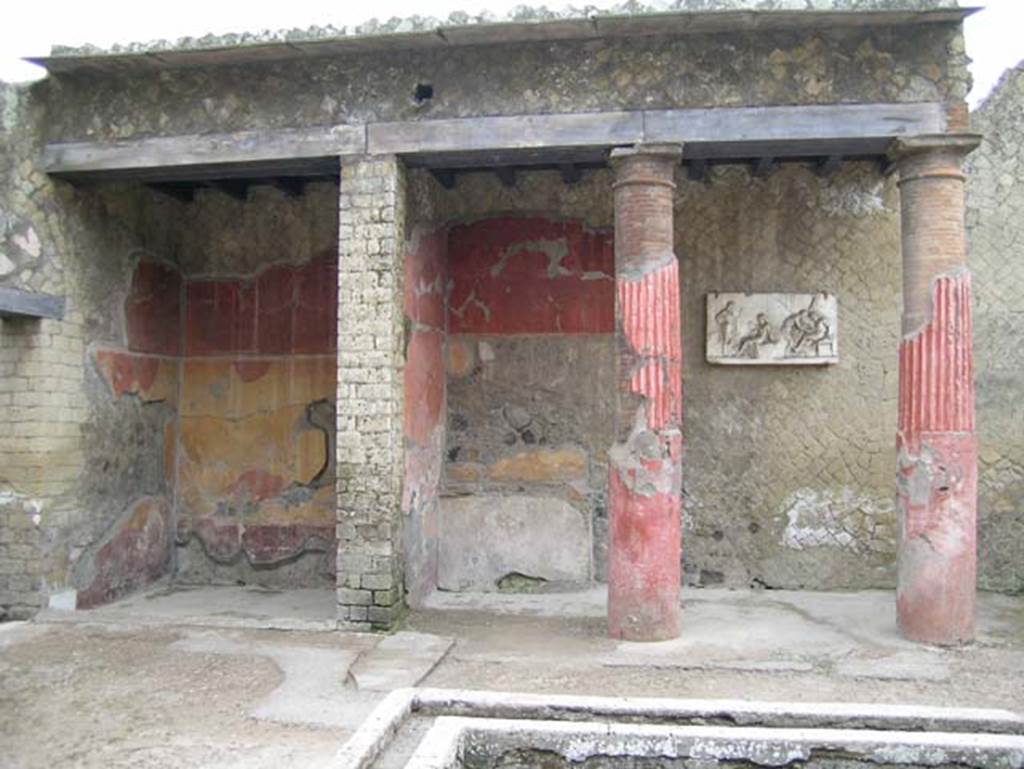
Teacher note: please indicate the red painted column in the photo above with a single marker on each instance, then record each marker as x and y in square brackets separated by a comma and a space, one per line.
[645, 464]
[937, 452]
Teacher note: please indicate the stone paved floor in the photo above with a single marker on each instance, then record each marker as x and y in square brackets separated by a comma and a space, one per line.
[203, 678]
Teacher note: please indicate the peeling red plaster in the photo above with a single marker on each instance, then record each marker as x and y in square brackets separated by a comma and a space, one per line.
[424, 385]
[651, 326]
[518, 275]
[284, 310]
[137, 553]
[424, 279]
[251, 370]
[153, 309]
[257, 485]
[937, 480]
[127, 373]
[226, 540]
[644, 569]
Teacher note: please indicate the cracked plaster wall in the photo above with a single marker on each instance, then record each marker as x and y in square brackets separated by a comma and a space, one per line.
[255, 449]
[788, 473]
[530, 370]
[527, 382]
[995, 221]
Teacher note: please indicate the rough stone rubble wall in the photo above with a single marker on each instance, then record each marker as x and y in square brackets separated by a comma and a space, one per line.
[803, 498]
[371, 402]
[89, 406]
[521, 13]
[923, 63]
[84, 491]
[995, 221]
[788, 472]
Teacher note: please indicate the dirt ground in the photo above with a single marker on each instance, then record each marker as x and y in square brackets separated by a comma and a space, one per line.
[94, 696]
[110, 690]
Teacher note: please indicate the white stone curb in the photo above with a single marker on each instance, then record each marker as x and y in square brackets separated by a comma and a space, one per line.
[904, 724]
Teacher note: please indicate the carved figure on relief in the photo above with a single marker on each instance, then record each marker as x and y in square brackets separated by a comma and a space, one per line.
[771, 328]
[806, 331]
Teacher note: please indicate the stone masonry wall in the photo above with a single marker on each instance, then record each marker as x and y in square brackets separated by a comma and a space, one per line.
[90, 424]
[788, 473]
[922, 63]
[530, 375]
[995, 221]
[371, 407]
[84, 492]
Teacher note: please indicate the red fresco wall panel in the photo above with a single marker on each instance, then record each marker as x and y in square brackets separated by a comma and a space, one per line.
[285, 310]
[153, 309]
[517, 275]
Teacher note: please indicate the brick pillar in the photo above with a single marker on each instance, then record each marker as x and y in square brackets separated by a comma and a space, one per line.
[645, 466]
[370, 391]
[937, 472]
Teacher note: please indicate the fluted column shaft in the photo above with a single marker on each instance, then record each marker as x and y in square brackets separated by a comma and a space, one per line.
[646, 461]
[937, 474]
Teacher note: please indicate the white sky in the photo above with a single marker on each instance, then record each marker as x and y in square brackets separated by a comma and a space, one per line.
[995, 36]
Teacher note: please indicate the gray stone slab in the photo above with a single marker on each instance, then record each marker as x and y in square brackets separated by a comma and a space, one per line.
[484, 538]
[772, 329]
[398, 661]
[851, 715]
[15, 303]
[313, 691]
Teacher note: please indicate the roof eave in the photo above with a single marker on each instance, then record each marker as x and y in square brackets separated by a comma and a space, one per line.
[495, 33]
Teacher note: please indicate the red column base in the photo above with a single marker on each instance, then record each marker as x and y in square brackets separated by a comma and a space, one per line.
[938, 483]
[644, 550]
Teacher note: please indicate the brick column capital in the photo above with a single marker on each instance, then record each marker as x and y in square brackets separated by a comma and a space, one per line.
[668, 151]
[652, 164]
[932, 155]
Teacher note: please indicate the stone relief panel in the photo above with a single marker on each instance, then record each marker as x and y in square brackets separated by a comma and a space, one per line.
[776, 329]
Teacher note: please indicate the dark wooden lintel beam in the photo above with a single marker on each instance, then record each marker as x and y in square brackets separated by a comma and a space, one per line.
[292, 186]
[696, 169]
